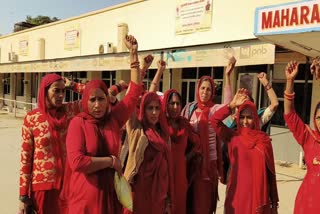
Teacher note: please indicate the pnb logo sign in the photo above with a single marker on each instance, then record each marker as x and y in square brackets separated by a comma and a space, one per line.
[247, 52]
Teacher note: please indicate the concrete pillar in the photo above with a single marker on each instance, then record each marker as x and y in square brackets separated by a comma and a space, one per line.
[166, 80]
[176, 79]
[122, 32]
[94, 75]
[41, 49]
[27, 90]
[13, 82]
[1, 89]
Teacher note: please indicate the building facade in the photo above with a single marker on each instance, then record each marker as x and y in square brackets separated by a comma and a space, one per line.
[194, 37]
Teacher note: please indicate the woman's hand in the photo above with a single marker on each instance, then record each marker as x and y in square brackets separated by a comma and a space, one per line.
[131, 43]
[161, 65]
[238, 99]
[23, 207]
[262, 77]
[117, 165]
[231, 65]
[315, 67]
[292, 70]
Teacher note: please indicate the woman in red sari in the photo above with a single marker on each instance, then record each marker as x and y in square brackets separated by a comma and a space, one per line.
[43, 149]
[251, 187]
[148, 168]
[180, 132]
[309, 191]
[93, 145]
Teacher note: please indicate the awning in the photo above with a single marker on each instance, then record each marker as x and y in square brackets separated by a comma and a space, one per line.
[295, 26]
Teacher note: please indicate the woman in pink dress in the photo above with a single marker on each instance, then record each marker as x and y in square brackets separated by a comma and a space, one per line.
[309, 191]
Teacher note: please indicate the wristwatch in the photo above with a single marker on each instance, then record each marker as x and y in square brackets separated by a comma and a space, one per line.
[24, 198]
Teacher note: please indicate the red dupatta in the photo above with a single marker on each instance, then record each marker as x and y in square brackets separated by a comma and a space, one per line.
[56, 117]
[157, 138]
[315, 133]
[256, 139]
[175, 134]
[203, 123]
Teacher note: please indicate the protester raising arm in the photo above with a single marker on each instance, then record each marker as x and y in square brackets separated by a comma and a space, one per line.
[271, 109]
[227, 87]
[156, 80]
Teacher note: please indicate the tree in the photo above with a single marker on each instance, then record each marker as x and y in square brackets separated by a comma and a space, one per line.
[40, 20]
[33, 22]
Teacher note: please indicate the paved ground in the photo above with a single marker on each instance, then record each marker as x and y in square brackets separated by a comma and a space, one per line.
[289, 176]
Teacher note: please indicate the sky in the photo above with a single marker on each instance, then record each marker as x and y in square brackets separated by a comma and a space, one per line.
[13, 11]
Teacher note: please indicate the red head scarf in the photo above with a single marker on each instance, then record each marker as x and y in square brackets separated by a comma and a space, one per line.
[317, 132]
[175, 135]
[105, 176]
[314, 133]
[209, 103]
[203, 123]
[146, 99]
[91, 86]
[256, 139]
[56, 116]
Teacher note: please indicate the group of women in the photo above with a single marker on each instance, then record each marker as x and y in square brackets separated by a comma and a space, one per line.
[173, 157]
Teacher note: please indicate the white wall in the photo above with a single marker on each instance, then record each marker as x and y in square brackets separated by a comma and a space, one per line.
[151, 21]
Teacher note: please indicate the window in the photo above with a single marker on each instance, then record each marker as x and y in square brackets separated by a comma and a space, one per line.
[109, 77]
[6, 84]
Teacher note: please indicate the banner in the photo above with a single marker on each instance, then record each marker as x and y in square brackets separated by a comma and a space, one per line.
[193, 15]
[72, 38]
[24, 47]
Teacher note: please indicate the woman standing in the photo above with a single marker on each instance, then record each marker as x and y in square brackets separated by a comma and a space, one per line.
[203, 192]
[251, 187]
[93, 144]
[148, 168]
[180, 131]
[44, 132]
[309, 191]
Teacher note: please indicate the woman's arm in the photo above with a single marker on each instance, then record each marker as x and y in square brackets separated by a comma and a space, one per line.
[147, 61]
[271, 94]
[156, 79]
[291, 73]
[217, 118]
[271, 109]
[227, 91]
[78, 159]
[293, 121]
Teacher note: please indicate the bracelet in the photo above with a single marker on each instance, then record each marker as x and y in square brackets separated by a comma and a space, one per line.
[135, 64]
[113, 161]
[154, 83]
[288, 96]
[267, 87]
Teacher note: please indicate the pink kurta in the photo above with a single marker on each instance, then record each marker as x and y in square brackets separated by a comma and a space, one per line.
[307, 200]
[84, 193]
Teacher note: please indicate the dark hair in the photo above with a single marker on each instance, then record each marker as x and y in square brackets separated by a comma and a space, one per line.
[176, 94]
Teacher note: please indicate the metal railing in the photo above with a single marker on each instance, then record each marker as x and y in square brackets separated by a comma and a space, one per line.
[14, 106]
